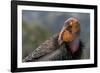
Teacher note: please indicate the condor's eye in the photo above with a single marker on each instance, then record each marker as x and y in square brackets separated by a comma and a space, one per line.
[69, 28]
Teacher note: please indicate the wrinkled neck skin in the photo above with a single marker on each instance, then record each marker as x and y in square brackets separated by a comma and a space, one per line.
[73, 46]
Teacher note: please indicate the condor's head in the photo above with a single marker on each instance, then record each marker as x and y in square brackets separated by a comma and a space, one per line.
[70, 34]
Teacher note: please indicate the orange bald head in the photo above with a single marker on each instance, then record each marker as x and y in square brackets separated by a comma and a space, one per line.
[70, 30]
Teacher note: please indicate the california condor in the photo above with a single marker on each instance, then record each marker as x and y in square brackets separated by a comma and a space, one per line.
[66, 45]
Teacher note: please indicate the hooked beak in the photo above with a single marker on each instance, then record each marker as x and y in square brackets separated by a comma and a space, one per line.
[60, 40]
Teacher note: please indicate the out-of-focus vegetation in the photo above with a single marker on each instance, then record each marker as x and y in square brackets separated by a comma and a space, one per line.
[37, 26]
[33, 36]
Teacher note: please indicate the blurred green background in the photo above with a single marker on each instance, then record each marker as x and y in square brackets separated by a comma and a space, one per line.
[38, 26]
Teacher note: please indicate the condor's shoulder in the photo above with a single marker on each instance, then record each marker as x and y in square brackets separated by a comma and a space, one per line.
[51, 43]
